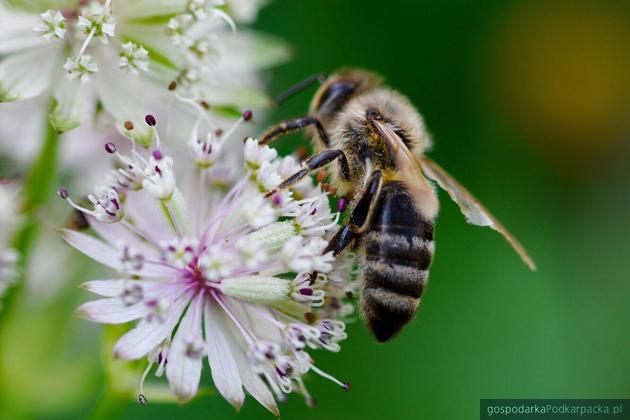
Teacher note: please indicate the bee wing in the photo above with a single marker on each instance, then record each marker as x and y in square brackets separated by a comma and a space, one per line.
[408, 170]
[472, 209]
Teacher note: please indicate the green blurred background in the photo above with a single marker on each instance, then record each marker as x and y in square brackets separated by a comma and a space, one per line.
[529, 106]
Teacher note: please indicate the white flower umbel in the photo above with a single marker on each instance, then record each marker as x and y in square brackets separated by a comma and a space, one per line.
[212, 274]
[80, 68]
[133, 57]
[121, 56]
[52, 25]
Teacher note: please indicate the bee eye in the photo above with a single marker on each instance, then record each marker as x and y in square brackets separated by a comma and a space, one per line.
[373, 114]
[335, 97]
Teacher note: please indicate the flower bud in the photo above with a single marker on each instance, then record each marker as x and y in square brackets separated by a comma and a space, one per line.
[256, 289]
[272, 237]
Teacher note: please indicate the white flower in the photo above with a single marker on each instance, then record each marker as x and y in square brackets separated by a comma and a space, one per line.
[124, 77]
[267, 177]
[244, 10]
[80, 68]
[179, 252]
[107, 206]
[256, 155]
[205, 152]
[213, 283]
[52, 25]
[258, 212]
[176, 30]
[133, 57]
[305, 254]
[313, 216]
[97, 21]
[218, 262]
[131, 258]
[159, 179]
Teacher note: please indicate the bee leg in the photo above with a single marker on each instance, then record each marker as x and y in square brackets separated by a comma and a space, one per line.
[315, 162]
[290, 126]
[359, 218]
[341, 240]
[298, 87]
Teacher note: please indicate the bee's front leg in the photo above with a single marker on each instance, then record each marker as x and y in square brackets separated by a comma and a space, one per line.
[312, 164]
[289, 126]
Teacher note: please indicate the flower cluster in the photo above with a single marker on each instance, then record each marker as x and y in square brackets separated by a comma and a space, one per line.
[110, 49]
[9, 218]
[232, 276]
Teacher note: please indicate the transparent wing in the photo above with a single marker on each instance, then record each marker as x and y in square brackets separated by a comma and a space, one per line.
[408, 170]
[472, 209]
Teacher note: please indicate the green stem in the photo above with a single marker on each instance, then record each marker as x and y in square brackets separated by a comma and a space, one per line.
[36, 192]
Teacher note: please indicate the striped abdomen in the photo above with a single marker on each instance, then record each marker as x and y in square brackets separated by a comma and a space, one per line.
[398, 250]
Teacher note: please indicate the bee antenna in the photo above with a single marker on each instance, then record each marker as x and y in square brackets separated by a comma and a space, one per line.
[298, 87]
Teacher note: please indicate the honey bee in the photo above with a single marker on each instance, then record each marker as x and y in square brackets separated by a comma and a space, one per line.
[372, 140]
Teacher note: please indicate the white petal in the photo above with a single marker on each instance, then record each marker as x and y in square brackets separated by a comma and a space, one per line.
[143, 207]
[262, 330]
[148, 334]
[183, 371]
[93, 248]
[155, 270]
[138, 9]
[74, 105]
[111, 311]
[225, 373]
[252, 51]
[251, 381]
[112, 288]
[109, 256]
[27, 74]
[17, 30]
[114, 233]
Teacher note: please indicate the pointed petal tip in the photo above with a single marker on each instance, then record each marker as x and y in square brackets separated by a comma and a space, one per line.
[80, 312]
[182, 398]
[236, 401]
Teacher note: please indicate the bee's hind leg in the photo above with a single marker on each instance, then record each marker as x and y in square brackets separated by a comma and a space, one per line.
[359, 219]
[315, 162]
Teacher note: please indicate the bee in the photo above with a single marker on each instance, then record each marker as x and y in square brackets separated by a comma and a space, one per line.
[373, 142]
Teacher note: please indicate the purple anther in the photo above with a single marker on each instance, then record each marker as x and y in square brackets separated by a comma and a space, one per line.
[110, 147]
[341, 204]
[150, 120]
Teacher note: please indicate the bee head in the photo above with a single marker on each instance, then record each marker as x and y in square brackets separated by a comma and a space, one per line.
[339, 88]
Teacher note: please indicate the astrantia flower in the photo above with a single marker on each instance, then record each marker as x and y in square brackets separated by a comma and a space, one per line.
[226, 276]
[121, 56]
[9, 219]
